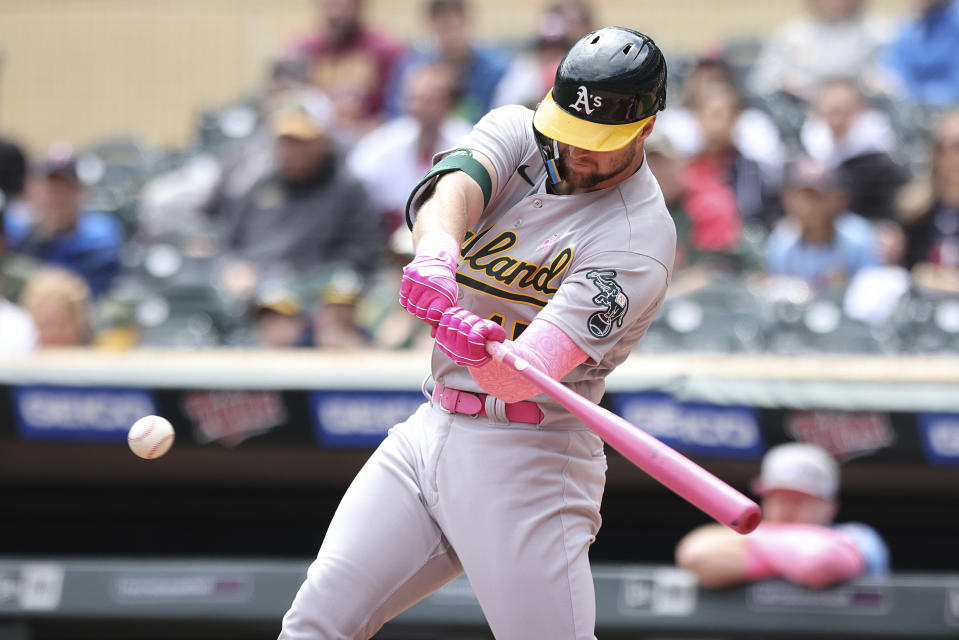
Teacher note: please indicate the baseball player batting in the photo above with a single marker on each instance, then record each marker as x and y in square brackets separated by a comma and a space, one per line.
[546, 230]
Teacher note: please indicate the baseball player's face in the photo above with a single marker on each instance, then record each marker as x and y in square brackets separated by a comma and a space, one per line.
[590, 170]
[786, 506]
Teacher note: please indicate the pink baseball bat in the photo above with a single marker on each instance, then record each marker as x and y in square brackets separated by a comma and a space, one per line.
[672, 469]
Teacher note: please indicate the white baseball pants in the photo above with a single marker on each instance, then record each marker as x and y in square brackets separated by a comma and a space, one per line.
[514, 505]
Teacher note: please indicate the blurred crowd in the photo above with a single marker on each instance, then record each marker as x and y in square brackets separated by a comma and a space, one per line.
[813, 174]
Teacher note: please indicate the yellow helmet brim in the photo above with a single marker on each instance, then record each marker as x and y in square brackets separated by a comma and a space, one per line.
[556, 123]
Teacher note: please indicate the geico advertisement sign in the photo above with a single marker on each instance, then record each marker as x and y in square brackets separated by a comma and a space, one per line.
[359, 418]
[697, 428]
[79, 413]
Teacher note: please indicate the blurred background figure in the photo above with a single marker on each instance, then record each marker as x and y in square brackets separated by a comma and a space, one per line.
[59, 302]
[393, 158]
[845, 135]
[13, 173]
[309, 220]
[819, 240]
[13, 178]
[54, 228]
[579, 16]
[709, 229]
[755, 133]
[530, 74]
[18, 335]
[279, 320]
[351, 61]
[478, 68]
[390, 161]
[235, 149]
[834, 38]
[920, 64]
[929, 205]
[717, 110]
[797, 541]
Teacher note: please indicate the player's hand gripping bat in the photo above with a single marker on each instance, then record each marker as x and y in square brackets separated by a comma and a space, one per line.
[674, 470]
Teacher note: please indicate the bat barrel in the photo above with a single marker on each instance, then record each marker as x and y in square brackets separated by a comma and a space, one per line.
[672, 469]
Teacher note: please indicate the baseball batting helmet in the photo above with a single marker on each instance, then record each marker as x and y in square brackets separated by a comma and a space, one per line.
[607, 87]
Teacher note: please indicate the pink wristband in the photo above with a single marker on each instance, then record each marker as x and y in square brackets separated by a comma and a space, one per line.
[439, 244]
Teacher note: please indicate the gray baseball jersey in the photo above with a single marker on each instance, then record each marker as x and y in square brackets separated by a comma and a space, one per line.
[596, 264]
[516, 506]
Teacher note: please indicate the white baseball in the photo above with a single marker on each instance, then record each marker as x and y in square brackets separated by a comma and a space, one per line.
[151, 437]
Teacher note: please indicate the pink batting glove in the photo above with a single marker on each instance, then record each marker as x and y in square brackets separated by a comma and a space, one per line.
[462, 336]
[428, 287]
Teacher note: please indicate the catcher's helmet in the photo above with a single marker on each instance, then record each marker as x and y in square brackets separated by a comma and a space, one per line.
[606, 88]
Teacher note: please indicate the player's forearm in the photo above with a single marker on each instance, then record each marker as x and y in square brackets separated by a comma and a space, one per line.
[715, 555]
[503, 382]
[810, 555]
[546, 347]
[455, 205]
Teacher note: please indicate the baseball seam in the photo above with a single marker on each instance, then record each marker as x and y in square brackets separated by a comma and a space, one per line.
[146, 432]
[159, 444]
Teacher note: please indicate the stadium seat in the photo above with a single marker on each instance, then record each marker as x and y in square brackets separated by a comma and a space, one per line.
[723, 317]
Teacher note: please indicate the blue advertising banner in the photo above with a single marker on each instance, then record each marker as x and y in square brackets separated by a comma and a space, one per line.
[95, 414]
[940, 437]
[695, 428]
[359, 418]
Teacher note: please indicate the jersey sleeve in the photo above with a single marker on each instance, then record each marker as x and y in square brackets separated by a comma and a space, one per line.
[607, 304]
[505, 136]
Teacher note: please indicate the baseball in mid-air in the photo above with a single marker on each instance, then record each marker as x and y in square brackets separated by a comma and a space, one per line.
[150, 437]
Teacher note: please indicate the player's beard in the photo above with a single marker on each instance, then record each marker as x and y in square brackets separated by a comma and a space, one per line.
[585, 180]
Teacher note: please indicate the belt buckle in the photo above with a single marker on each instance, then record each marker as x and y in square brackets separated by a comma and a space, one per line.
[456, 407]
[440, 403]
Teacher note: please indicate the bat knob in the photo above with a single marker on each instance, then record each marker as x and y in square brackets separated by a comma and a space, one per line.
[748, 520]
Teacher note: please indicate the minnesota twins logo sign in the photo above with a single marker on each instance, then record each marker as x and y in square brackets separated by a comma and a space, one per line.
[611, 298]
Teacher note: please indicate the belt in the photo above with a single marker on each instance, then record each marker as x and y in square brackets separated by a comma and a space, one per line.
[474, 404]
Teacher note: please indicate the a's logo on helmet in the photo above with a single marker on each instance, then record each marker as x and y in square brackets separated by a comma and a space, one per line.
[583, 100]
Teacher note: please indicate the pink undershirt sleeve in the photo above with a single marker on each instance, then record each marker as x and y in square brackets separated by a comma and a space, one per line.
[546, 347]
[811, 555]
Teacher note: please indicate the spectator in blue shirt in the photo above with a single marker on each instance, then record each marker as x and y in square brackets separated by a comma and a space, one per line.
[798, 539]
[818, 240]
[55, 230]
[922, 59]
[478, 68]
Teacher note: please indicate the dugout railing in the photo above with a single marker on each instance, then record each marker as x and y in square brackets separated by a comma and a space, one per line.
[44, 598]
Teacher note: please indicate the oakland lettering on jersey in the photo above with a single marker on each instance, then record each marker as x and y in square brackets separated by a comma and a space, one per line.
[490, 260]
